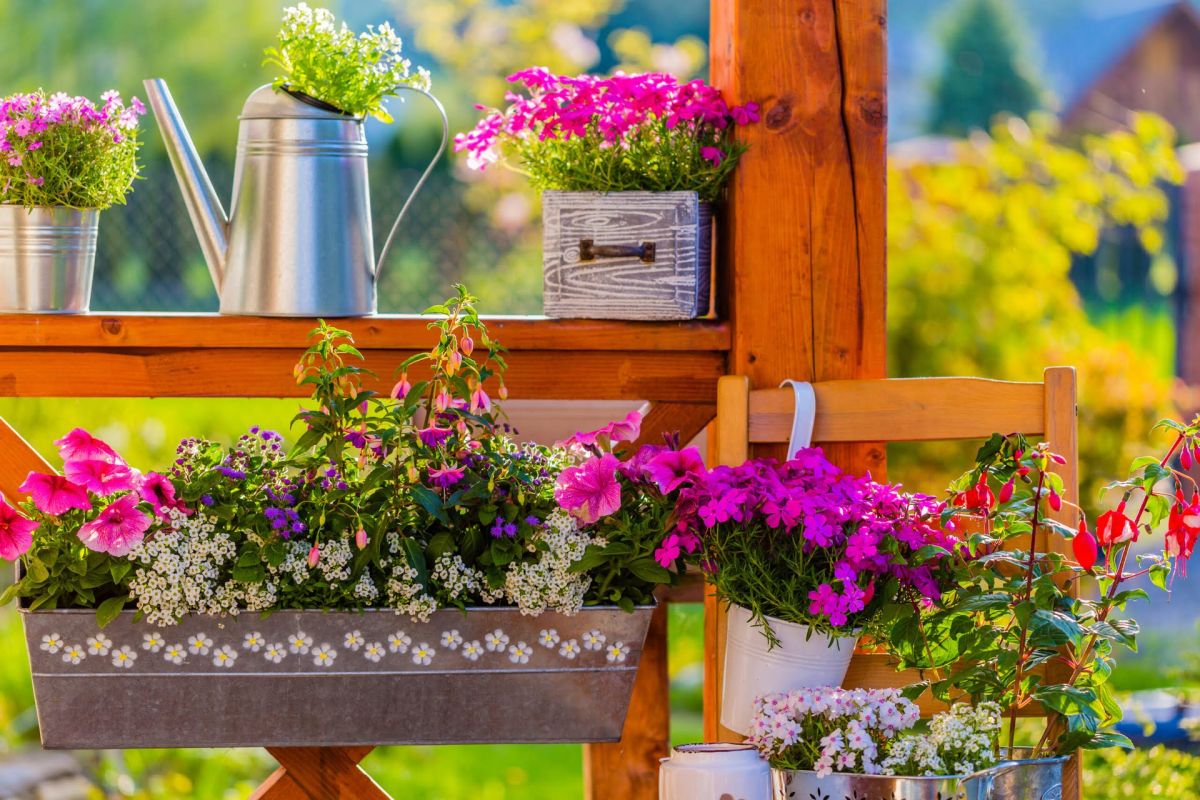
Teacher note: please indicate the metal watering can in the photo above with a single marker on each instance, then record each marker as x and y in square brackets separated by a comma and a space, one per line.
[297, 240]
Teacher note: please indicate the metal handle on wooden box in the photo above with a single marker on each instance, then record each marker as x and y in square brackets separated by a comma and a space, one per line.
[590, 251]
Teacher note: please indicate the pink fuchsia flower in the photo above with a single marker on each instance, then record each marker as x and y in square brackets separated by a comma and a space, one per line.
[444, 477]
[119, 528]
[103, 477]
[433, 436]
[590, 491]
[79, 445]
[669, 551]
[671, 469]
[54, 494]
[480, 402]
[402, 388]
[441, 400]
[16, 533]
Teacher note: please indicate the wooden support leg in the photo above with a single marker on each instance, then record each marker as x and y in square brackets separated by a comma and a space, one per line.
[628, 770]
[319, 773]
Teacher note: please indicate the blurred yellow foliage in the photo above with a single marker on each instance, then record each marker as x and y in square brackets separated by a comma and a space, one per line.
[979, 248]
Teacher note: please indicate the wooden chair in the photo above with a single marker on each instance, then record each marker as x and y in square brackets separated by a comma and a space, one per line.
[893, 410]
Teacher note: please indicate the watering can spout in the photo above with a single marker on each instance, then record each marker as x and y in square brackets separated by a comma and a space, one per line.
[204, 207]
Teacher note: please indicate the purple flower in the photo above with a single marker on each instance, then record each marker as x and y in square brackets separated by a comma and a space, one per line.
[433, 436]
[232, 474]
[357, 438]
[669, 551]
[444, 477]
[207, 499]
[670, 469]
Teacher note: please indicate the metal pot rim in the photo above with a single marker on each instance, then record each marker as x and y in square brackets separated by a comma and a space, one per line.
[23, 610]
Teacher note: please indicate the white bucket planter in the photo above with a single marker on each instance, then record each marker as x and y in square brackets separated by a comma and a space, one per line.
[712, 771]
[800, 661]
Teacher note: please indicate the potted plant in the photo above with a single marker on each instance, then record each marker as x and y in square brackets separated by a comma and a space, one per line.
[629, 167]
[1020, 624]
[404, 558]
[806, 557]
[62, 161]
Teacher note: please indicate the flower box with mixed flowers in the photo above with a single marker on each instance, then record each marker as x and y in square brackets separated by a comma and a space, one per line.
[404, 558]
[62, 160]
[629, 167]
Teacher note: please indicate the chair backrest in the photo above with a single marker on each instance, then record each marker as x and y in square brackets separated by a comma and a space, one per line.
[891, 410]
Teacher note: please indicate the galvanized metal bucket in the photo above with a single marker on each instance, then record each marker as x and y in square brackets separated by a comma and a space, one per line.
[47, 257]
[1021, 779]
[331, 679]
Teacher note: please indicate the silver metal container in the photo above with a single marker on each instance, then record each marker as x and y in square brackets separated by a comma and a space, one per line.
[626, 255]
[298, 239]
[47, 258]
[332, 679]
[1028, 779]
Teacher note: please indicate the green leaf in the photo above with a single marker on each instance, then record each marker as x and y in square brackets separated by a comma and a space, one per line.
[9, 594]
[985, 601]
[37, 571]
[1109, 739]
[306, 442]
[429, 500]
[1064, 699]
[118, 570]
[649, 570]
[441, 544]
[109, 610]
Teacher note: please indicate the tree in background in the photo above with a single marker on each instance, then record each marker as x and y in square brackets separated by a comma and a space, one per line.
[984, 72]
[979, 249]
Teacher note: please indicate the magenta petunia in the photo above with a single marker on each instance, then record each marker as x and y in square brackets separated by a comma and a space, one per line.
[79, 445]
[669, 551]
[118, 529]
[159, 492]
[626, 430]
[103, 477]
[54, 494]
[591, 490]
[671, 469]
[16, 533]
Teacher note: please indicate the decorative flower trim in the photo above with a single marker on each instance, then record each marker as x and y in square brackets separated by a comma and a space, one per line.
[200, 648]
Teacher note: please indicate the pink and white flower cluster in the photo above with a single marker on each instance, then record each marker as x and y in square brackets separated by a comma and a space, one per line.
[830, 729]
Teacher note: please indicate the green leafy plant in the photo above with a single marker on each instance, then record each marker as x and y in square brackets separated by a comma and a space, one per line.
[351, 73]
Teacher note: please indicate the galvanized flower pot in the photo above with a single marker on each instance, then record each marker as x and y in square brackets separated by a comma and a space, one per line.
[332, 679]
[1031, 779]
[47, 257]
[626, 255]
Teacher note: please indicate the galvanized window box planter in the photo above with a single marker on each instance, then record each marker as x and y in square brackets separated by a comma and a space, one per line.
[626, 255]
[332, 679]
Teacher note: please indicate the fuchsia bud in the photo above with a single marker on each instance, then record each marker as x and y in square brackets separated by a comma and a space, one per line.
[503, 393]
[1185, 458]
[441, 400]
[1006, 491]
[1055, 501]
[360, 538]
[1084, 545]
[453, 362]
[314, 555]
[467, 344]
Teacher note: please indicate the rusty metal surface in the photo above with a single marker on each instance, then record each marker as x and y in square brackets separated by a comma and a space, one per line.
[311, 678]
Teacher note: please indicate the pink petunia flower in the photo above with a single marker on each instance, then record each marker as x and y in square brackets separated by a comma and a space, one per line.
[103, 477]
[79, 445]
[591, 490]
[159, 492]
[118, 529]
[54, 494]
[626, 430]
[16, 533]
[671, 469]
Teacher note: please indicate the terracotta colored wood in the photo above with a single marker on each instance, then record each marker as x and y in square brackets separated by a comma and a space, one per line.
[250, 372]
[17, 460]
[320, 773]
[629, 768]
[385, 332]
[685, 419]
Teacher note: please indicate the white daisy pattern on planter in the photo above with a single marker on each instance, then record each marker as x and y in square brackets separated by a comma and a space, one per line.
[52, 643]
[300, 643]
[594, 640]
[374, 652]
[324, 655]
[224, 657]
[617, 653]
[275, 653]
[254, 642]
[175, 653]
[399, 642]
[548, 637]
[496, 641]
[519, 653]
[124, 657]
[472, 650]
[153, 641]
[199, 645]
[569, 650]
[99, 645]
[423, 654]
[354, 641]
[451, 639]
[73, 654]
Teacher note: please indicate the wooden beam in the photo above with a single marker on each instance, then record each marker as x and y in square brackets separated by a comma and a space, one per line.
[17, 460]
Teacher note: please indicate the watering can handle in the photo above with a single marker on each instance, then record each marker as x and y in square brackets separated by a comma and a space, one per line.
[387, 245]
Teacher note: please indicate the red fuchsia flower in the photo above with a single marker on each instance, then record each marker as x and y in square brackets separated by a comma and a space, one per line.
[79, 445]
[670, 469]
[1114, 527]
[159, 492]
[1183, 528]
[103, 477]
[16, 533]
[54, 494]
[433, 436]
[669, 551]
[978, 498]
[445, 476]
[402, 388]
[119, 528]
[590, 491]
[1084, 547]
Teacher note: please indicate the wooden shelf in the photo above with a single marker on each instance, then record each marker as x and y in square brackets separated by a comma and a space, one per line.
[207, 355]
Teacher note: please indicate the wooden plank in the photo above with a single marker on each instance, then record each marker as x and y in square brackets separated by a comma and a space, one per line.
[17, 460]
[629, 768]
[685, 419]
[392, 332]
[904, 410]
[327, 773]
[280, 786]
[251, 372]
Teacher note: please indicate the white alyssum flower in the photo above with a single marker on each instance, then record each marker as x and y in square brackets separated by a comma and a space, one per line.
[365, 589]
[175, 653]
[959, 741]
[275, 652]
[548, 637]
[354, 641]
[594, 640]
[399, 642]
[253, 642]
[402, 590]
[73, 654]
[224, 656]
[99, 645]
[472, 650]
[617, 653]
[199, 645]
[52, 643]
[519, 653]
[374, 652]
[570, 649]
[153, 641]
[461, 582]
[548, 584]
[423, 654]
[451, 639]
[324, 655]
[300, 642]
[496, 641]
[124, 657]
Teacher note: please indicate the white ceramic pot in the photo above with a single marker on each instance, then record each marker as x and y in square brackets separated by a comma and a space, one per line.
[714, 772]
[752, 668]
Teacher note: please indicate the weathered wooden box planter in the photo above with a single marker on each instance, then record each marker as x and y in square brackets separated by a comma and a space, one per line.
[311, 678]
[626, 255]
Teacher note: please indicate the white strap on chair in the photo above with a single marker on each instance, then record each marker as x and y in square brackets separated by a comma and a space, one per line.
[804, 416]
